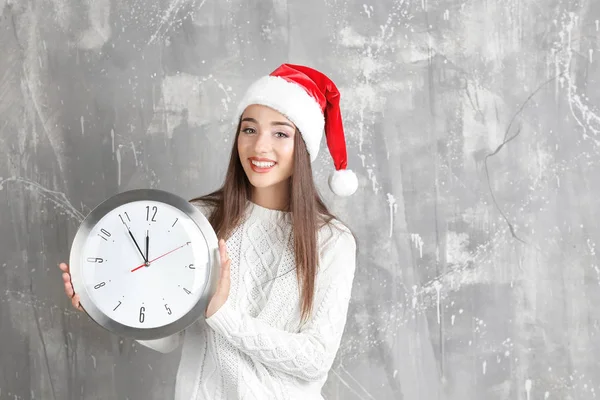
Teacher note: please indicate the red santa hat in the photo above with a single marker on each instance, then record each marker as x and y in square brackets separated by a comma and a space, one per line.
[311, 101]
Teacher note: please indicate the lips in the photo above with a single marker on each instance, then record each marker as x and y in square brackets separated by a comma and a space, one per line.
[261, 165]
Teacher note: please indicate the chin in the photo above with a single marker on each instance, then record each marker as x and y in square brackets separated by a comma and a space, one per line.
[261, 182]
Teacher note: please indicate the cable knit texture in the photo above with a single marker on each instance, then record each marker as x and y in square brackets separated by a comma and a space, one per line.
[255, 346]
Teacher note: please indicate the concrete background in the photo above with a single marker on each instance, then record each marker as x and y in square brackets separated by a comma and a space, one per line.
[474, 128]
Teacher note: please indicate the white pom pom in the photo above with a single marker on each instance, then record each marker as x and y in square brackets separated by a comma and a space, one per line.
[343, 182]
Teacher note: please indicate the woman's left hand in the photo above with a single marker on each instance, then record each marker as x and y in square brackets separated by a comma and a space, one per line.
[222, 292]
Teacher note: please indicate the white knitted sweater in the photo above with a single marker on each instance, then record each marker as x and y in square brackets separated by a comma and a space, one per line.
[254, 346]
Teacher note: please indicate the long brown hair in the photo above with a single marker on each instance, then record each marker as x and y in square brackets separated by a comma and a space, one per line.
[308, 212]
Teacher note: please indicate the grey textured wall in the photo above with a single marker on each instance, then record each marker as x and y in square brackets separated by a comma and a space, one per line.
[474, 127]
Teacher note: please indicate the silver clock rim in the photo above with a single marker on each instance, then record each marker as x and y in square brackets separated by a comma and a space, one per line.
[75, 264]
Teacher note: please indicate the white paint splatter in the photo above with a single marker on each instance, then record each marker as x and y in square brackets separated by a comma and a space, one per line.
[477, 216]
[189, 95]
[591, 51]
[366, 94]
[414, 296]
[118, 166]
[592, 248]
[368, 9]
[134, 153]
[93, 360]
[417, 242]
[547, 395]
[585, 117]
[373, 179]
[99, 30]
[457, 252]
[540, 165]
[58, 198]
[34, 88]
[452, 319]
[480, 113]
[362, 159]
[350, 38]
[227, 99]
[438, 287]
[112, 138]
[63, 13]
[528, 385]
[82, 122]
[393, 209]
[484, 367]
[170, 17]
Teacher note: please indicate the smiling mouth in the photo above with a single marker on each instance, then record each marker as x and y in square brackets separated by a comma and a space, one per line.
[261, 166]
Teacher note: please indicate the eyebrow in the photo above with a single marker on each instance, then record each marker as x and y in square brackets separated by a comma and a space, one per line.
[249, 119]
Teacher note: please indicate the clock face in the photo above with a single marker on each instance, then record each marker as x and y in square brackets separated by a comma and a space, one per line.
[143, 265]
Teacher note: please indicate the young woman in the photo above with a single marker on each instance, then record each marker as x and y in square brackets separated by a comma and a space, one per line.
[274, 325]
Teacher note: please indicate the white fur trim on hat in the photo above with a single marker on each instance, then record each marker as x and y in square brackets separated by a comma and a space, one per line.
[291, 100]
[343, 182]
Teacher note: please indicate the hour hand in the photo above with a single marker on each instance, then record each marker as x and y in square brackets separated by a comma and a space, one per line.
[138, 247]
[134, 241]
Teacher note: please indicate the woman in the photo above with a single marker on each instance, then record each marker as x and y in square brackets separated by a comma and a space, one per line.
[287, 265]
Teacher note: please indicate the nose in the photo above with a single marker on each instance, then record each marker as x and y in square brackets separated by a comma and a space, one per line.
[262, 144]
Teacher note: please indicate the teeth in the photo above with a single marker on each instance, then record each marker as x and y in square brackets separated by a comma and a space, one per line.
[263, 164]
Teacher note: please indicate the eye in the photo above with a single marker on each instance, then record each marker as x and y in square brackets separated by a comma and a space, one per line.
[249, 130]
[281, 135]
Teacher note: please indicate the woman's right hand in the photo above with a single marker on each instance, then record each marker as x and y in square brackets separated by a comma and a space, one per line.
[66, 277]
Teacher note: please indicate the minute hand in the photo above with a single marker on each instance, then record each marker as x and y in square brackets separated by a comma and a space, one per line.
[147, 247]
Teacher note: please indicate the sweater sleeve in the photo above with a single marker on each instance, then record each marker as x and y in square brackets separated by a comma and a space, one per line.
[309, 353]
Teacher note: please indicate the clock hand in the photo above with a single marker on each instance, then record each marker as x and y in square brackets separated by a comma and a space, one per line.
[136, 245]
[147, 247]
[161, 256]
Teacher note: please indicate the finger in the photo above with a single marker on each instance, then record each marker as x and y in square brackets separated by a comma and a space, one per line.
[222, 251]
[64, 267]
[225, 280]
[76, 303]
[69, 289]
[225, 260]
[66, 277]
[226, 269]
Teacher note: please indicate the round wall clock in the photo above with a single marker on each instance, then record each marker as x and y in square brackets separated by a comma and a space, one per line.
[145, 264]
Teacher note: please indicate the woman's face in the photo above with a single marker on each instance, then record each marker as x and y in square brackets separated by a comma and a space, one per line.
[266, 147]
